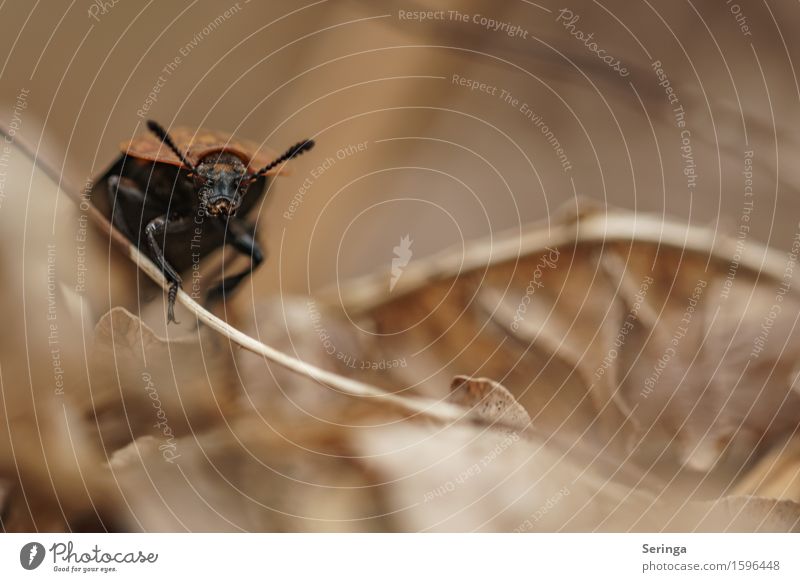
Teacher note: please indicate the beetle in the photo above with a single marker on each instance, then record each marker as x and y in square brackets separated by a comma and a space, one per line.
[179, 196]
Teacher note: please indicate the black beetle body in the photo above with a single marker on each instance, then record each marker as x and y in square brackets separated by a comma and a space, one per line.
[178, 210]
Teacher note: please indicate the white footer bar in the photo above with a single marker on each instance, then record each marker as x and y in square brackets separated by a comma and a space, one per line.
[401, 557]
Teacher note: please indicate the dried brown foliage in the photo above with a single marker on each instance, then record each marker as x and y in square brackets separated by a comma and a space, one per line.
[513, 392]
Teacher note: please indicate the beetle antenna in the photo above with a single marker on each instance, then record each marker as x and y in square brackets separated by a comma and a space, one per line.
[164, 137]
[292, 152]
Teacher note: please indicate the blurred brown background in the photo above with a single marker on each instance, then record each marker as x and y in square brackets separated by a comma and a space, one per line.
[442, 163]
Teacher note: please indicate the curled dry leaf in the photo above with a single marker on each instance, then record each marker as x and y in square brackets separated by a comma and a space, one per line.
[609, 328]
[705, 376]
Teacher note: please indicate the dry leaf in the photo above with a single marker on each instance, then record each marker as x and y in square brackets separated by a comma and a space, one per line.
[776, 474]
[607, 330]
[490, 401]
[550, 338]
[248, 478]
[145, 384]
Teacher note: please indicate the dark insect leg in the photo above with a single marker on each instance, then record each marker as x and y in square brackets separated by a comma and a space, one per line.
[242, 237]
[164, 226]
[120, 190]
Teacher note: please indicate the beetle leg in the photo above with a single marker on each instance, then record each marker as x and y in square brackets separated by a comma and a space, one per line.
[242, 238]
[122, 189]
[164, 226]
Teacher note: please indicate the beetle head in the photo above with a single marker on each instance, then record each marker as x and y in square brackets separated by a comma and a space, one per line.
[221, 182]
[221, 179]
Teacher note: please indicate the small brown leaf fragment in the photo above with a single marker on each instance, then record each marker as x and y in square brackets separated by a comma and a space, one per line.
[559, 302]
[490, 401]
